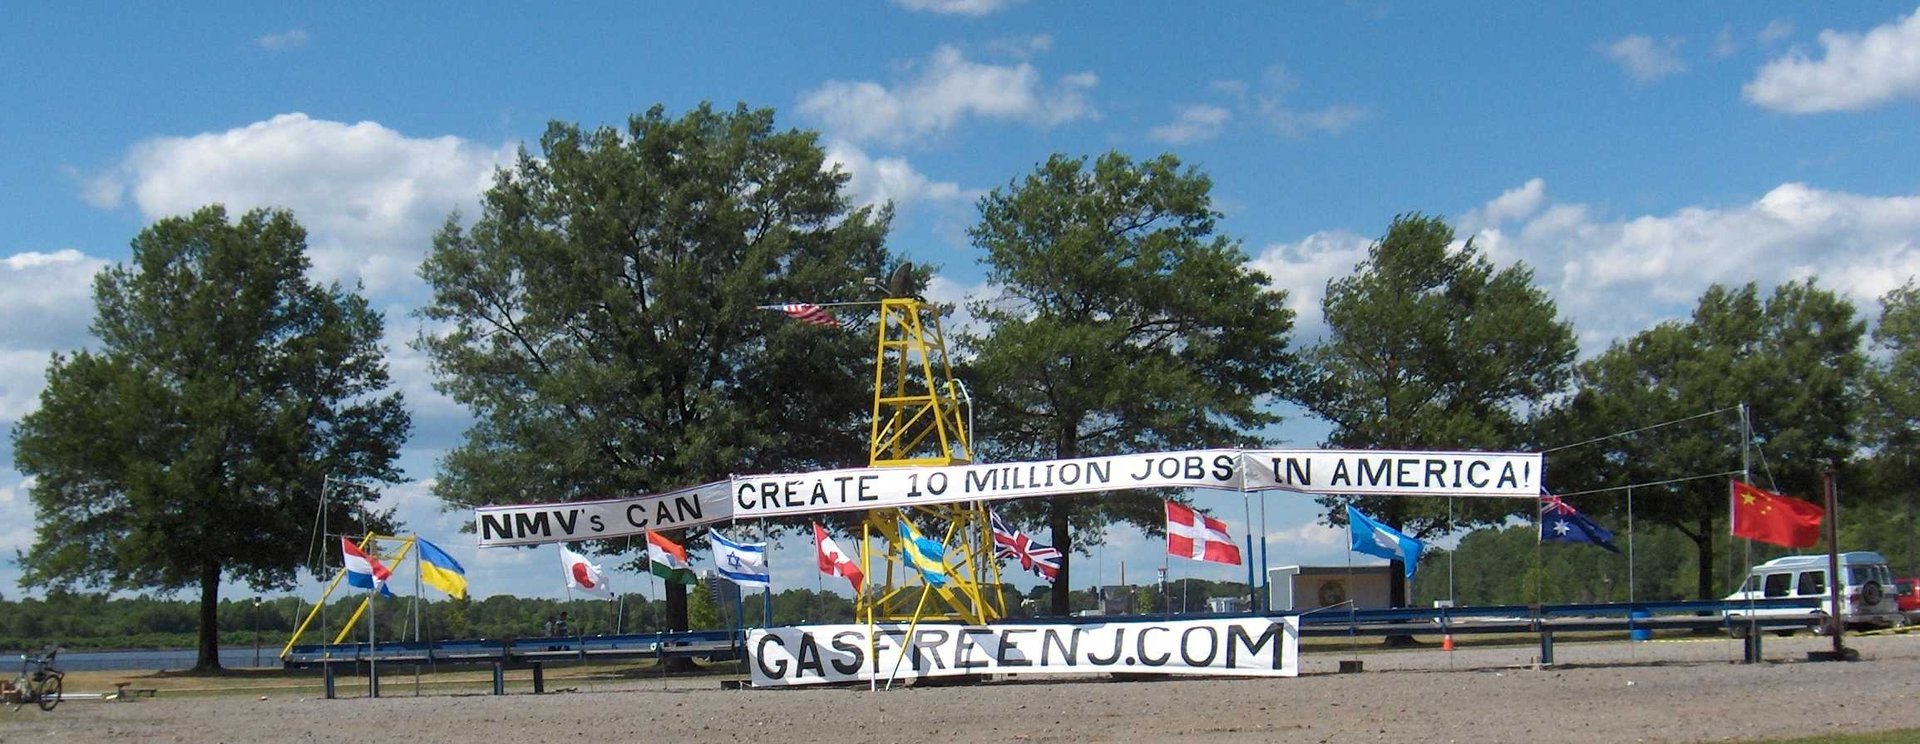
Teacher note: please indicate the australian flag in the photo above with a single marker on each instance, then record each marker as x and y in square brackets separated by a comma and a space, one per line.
[1042, 560]
[1559, 522]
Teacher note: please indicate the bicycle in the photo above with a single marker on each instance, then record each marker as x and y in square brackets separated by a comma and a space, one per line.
[39, 682]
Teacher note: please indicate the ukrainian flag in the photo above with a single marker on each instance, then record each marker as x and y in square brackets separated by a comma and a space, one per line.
[923, 554]
[441, 571]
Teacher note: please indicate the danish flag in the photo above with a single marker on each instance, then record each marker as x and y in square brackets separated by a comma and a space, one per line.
[1191, 534]
[1042, 560]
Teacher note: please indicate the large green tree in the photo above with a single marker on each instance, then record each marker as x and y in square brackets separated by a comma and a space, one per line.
[1124, 323]
[191, 446]
[1642, 408]
[600, 317]
[1430, 347]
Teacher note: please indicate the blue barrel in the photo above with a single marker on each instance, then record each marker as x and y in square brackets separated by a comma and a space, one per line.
[1639, 631]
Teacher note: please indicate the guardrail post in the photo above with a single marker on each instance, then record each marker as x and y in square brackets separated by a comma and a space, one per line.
[539, 679]
[499, 678]
[1751, 645]
[373, 679]
[1546, 646]
[326, 673]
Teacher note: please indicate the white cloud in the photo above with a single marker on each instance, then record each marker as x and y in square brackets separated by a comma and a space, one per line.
[1195, 123]
[1022, 47]
[16, 526]
[1512, 204]
[1267, 102]
[878, 180]
[1644, 59]
[1303, 269]
[955, 7]
[369, 196]
[1776, 30]
[280, 42]
[1724, 45]
[949, 89]
[1311, 539]
[1615, 277]
[47, 299]
[1858, 72]
[1294, 122]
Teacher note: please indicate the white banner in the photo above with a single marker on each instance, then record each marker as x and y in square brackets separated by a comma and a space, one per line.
[816, 654]
[532, 524]
[1356, 472]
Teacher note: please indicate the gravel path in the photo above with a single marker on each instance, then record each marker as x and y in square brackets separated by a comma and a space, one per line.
[1663, 691]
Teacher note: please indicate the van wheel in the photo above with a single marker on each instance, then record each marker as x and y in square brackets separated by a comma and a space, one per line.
[1737, 626]
[1820, 625]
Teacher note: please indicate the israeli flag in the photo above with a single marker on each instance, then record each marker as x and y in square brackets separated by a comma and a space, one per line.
[744, 564]
[1376, 539]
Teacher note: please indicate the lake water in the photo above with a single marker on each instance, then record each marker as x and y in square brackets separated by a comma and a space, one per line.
[176, 659]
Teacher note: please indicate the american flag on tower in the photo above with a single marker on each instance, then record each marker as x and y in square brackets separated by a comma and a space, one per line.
[1042, 560]
[810, 314]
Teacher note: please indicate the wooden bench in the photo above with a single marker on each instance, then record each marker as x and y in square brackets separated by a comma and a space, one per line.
[124, 691]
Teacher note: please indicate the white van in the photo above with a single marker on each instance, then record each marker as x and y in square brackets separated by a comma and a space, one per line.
[1866, 596]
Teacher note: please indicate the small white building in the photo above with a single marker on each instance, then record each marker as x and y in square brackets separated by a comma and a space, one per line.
[1308, 588]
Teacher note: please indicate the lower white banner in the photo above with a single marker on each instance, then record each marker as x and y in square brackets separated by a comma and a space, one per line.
[814, 654]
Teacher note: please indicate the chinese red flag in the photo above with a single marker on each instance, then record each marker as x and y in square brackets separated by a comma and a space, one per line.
[1772, 518]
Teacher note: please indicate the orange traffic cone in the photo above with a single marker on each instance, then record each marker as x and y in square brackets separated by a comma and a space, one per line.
[1446, 642]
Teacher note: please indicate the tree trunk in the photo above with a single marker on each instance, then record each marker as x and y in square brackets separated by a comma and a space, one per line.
[1058, 509]
[676, 620]
[1704, 575]
[208, 659]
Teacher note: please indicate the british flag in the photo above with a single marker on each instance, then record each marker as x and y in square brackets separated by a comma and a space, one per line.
[1042, 560]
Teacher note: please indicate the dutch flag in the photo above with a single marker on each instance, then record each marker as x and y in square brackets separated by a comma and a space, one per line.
[364, 571]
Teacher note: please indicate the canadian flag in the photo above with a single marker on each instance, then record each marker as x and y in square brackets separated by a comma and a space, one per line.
[1191, 534]
[833, 562]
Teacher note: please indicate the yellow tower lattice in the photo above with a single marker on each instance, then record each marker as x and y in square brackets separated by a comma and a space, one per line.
[918, 421]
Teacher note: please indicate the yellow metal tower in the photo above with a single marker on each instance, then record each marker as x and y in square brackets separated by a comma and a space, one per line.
[918, 421]
[916, 404]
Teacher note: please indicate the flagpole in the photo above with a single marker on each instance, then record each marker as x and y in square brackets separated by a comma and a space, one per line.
[1266, 577]
[1630, 545]
[660, 620]
[866, 569]
[373, 617]
[766, 592]
[1353, 635]
[1253, 596]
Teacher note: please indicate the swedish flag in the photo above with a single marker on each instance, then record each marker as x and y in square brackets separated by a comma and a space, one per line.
[923, 554]
[441, 571]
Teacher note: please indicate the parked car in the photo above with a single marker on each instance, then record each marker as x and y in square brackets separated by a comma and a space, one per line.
[1867, 594]
[1907, 594]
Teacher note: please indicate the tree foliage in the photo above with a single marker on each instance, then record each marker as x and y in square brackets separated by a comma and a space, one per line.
[192, 445]
[1124, 324]
[1793, 359]
[601, 316]
[1430, 347]
[1892, 402]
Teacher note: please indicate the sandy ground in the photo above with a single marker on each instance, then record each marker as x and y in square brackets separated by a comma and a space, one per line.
[1662, 691]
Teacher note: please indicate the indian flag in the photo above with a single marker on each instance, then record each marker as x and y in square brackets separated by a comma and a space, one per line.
[667, 560]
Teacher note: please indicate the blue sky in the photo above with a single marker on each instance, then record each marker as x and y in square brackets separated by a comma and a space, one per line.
[1631, 153]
